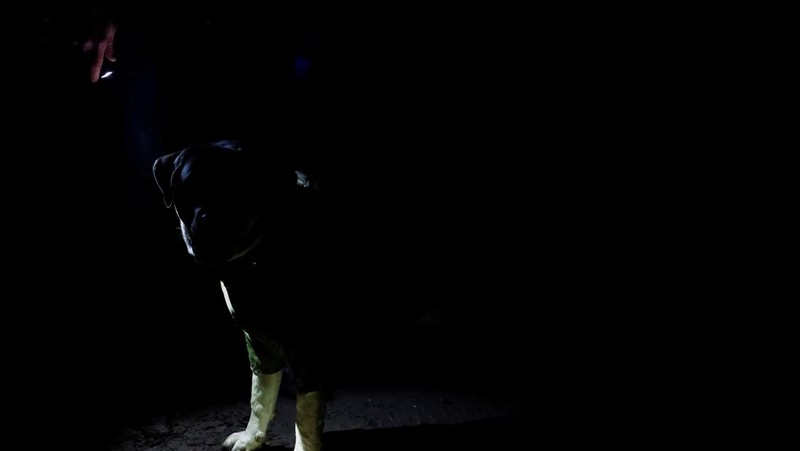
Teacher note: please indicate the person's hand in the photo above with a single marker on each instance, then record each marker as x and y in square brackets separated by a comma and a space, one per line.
[99, 47]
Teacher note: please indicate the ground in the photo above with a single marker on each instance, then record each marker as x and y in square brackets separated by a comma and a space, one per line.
[462, 385]
[358, 417]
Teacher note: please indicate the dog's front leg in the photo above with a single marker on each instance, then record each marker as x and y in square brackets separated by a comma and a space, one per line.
[263, 396]
[310, 421]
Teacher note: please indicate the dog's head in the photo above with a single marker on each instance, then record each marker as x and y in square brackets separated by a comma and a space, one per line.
[217, 194]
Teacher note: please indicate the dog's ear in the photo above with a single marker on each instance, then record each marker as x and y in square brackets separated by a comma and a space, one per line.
[164, 170]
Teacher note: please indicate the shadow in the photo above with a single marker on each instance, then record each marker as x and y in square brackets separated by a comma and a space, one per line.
[493, 434]
[526, 431]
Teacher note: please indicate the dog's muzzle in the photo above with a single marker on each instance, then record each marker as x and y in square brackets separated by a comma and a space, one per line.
[215, 245]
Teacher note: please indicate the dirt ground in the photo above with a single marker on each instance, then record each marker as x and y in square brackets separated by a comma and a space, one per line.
[358, 417]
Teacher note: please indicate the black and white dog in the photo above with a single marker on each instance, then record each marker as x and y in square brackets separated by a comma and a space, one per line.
[258, 226]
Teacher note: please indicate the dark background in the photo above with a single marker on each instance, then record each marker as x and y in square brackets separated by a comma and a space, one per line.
[545, 157]
[468, 129]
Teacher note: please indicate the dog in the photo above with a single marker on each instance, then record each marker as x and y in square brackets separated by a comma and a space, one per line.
[262, 227]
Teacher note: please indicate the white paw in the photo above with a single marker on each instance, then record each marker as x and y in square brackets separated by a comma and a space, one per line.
[243, 441]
